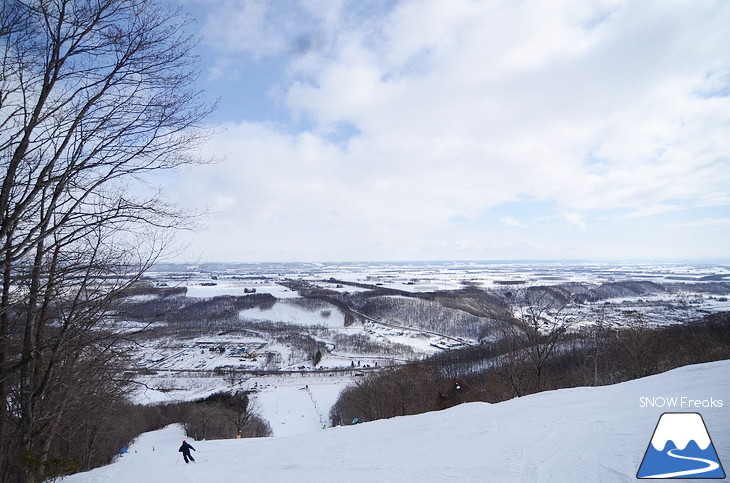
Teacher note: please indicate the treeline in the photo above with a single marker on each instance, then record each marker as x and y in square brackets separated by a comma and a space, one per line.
[429, 315]
[165, 307]
[305, 340]
[363, 344]
[503, 370]
[95, 435]
[221, 415]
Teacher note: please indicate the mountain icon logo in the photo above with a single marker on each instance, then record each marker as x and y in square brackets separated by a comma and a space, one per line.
[680, 448]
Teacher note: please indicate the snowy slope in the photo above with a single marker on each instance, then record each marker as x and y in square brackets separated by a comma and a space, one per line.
[299, 405]
[572, 435]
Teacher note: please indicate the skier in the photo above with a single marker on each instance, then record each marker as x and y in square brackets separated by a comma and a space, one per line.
[185, 450]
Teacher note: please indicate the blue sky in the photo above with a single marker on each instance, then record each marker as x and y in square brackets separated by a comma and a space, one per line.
[462, 129]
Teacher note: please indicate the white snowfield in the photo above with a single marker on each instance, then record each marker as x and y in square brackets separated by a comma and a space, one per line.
[572, 435]
[689, 426]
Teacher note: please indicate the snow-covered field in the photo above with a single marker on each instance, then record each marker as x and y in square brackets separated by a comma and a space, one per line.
[204, 288]
[425, 276]
[289, 313]
[570, 435]
[177, 369]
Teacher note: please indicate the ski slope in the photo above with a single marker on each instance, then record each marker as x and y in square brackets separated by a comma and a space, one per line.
[571, 435]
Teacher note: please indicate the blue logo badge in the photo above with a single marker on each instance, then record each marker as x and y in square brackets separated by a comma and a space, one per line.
[681, 448]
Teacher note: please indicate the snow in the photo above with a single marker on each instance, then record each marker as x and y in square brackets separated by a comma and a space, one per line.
[297, 405]
[293, 314]
[689, 427]
[571, 435]
[175, 389]
[208, 289]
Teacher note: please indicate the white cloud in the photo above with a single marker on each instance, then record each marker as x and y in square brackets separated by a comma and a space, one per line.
[223, 203]
[651, 210]
[575, 219]
[527, 99]
[264, 29]
[462, 106]
[251, 26]
[511, 221]
[704, 222]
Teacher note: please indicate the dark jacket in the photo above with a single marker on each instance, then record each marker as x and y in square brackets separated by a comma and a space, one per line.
[185, 448]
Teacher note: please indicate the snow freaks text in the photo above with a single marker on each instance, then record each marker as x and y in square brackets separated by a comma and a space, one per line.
[678, 402]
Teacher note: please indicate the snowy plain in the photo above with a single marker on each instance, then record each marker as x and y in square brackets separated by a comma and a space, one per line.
[292, 314]
[187, 368]
[589, 434]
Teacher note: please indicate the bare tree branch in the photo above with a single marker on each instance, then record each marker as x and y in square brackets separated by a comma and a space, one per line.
[94, 95]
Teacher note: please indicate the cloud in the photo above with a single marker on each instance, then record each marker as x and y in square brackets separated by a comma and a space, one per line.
[457, 108]
[511, 221]
[576, 219]
[704, 222]
[264, 29]
[251, 26]
[651, 210]
[504, 89]
[223, 203]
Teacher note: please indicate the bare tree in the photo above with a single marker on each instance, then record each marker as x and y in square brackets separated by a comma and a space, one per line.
[541, 317]
[227, 415]
[238, 411]
[94, 95]
[513, 362]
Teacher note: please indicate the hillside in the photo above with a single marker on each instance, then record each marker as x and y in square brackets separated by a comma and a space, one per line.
[573, 435]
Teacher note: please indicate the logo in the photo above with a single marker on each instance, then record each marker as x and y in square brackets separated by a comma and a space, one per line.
[680, 448]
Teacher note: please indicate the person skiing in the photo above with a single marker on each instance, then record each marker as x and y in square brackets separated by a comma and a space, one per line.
[185, 450]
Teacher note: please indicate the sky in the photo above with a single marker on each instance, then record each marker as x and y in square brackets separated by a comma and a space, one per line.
[462, 130]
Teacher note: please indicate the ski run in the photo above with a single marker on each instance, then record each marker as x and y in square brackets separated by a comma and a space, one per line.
[587, 434]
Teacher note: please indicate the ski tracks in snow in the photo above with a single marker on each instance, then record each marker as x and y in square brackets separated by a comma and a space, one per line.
[314, 403]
